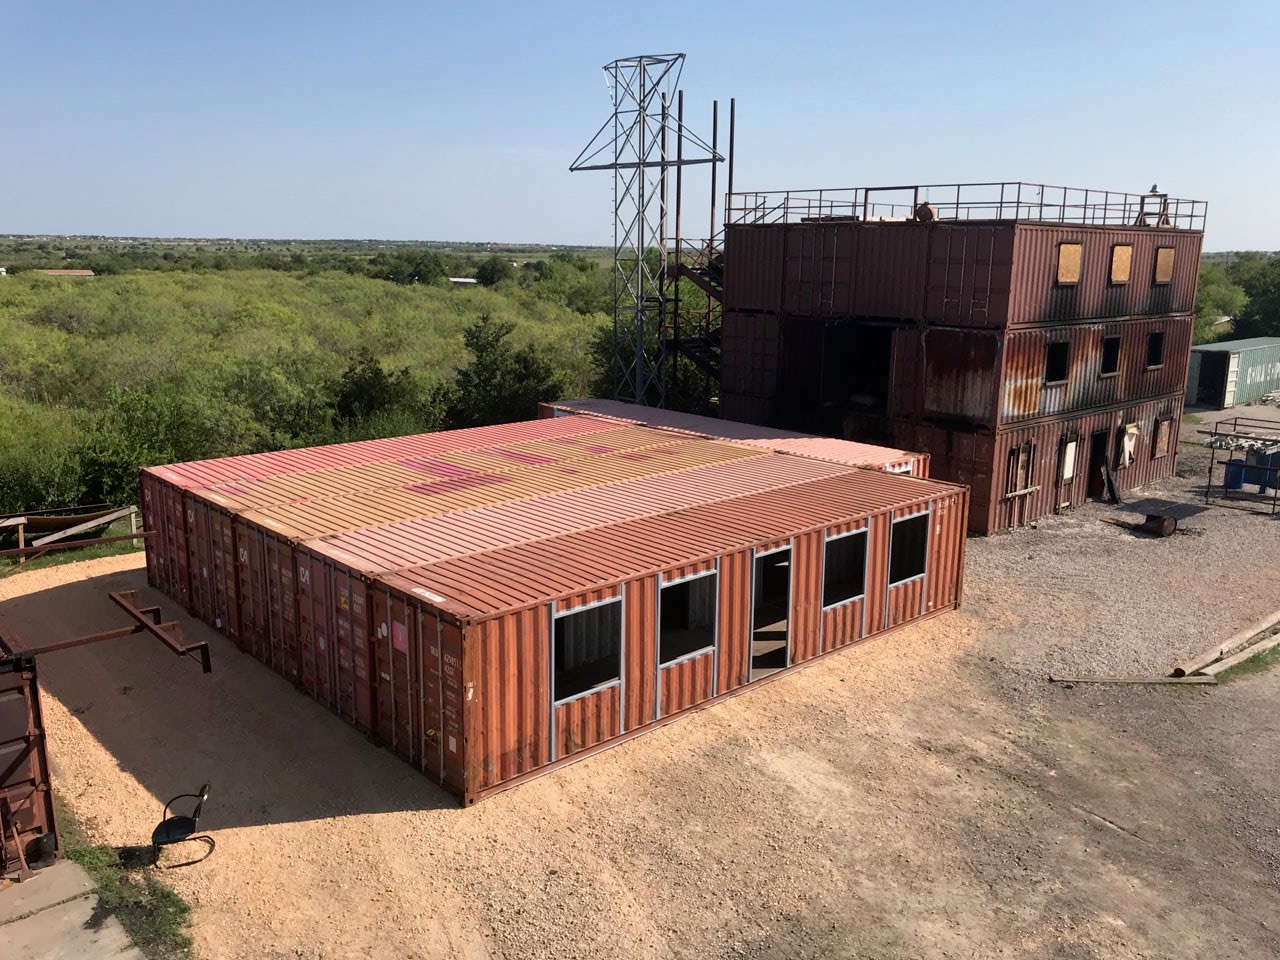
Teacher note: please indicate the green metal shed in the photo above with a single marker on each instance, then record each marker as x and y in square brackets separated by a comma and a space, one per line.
[1233, 372]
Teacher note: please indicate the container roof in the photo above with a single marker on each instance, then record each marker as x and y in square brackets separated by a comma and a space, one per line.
[767, 438]
[490, 582]
[536, 509]
[1232, 346]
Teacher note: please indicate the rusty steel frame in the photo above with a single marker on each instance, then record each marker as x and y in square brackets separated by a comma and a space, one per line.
[146, 620]
[635, 145]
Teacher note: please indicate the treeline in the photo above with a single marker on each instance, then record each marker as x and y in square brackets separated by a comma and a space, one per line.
[100, 377]
[397, 263]
[1242, 286]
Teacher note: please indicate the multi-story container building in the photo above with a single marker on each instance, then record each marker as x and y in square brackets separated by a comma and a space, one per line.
[1032, 340]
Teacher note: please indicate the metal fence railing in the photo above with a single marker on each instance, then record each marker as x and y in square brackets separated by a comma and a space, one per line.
[1012, 200]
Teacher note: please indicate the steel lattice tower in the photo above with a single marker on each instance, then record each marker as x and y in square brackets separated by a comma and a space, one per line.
[636, 144]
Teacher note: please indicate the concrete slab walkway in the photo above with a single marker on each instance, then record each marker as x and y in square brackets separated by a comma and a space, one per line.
[55, 915]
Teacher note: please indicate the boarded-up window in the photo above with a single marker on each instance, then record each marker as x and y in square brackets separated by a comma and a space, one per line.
[1121, 262]
[1070, 262]
[1110, 356]
[1069, 459]
[1164, 264]
[1022, 469]
[1160, 443]
[1129, 444]
[588, 649]
[1057, 357]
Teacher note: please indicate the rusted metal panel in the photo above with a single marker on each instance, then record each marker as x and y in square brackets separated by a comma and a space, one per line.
[968, 274]
[508, 729]
[1052, 493]
[946, 551]
[806, 596]
[588, 720]
[1027, 396]
[960, 374]
[734, 625]
[749, 354]
[842, 625]
[687, 683]
[24, 765]
[753, 268]
[1039, 298]
[640, 651]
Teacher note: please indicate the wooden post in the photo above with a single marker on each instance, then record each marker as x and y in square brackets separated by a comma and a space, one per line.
[22, 542]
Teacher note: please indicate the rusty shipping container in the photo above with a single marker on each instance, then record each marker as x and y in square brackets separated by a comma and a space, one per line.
[26, 800]
[975, 274]
[562, 585]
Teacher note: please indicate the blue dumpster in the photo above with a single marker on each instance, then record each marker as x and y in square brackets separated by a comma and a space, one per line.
[1233, 478]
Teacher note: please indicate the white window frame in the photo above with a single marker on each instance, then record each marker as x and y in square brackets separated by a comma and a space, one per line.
[617, 681]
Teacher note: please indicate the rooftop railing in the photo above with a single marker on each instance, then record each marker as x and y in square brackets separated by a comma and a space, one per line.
[969, 201]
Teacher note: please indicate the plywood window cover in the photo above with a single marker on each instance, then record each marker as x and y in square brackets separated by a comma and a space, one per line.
[1070, 263]
[1160, 445]
[1121, 263]
[1164, 265]
[1020, 478]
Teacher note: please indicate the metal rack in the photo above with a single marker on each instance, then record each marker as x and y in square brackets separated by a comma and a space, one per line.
[1247, 435]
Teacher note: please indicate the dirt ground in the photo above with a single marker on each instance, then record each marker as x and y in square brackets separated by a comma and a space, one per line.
[928, 795]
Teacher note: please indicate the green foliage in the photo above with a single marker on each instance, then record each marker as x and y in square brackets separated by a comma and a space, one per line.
[408, 267]
[493, 270]
[1217, 296]
[101, 376]
[502, 382]
[1259, 277]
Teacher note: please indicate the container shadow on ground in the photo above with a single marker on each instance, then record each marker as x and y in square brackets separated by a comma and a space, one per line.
[173, 728]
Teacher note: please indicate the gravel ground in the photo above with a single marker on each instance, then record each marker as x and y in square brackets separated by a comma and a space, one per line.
[927, 795]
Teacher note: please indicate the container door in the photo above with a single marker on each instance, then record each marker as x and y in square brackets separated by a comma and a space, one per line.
[1233, 378]
[361, 655]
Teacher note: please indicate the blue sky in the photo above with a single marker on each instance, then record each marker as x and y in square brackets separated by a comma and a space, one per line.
[458, 121]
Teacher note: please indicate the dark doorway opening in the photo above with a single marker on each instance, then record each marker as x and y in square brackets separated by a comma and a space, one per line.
[1212, 385]
[1098, 451]
[770, 613]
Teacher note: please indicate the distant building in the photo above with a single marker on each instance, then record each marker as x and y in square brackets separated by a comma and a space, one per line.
[3, 272]
[463, 281]
[67, 273]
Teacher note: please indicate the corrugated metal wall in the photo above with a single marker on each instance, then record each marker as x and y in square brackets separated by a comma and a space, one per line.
[508, 696]
[1026, 396]
[1038, 298]
[749, 348]
[1052, 493]
[1259, 373]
